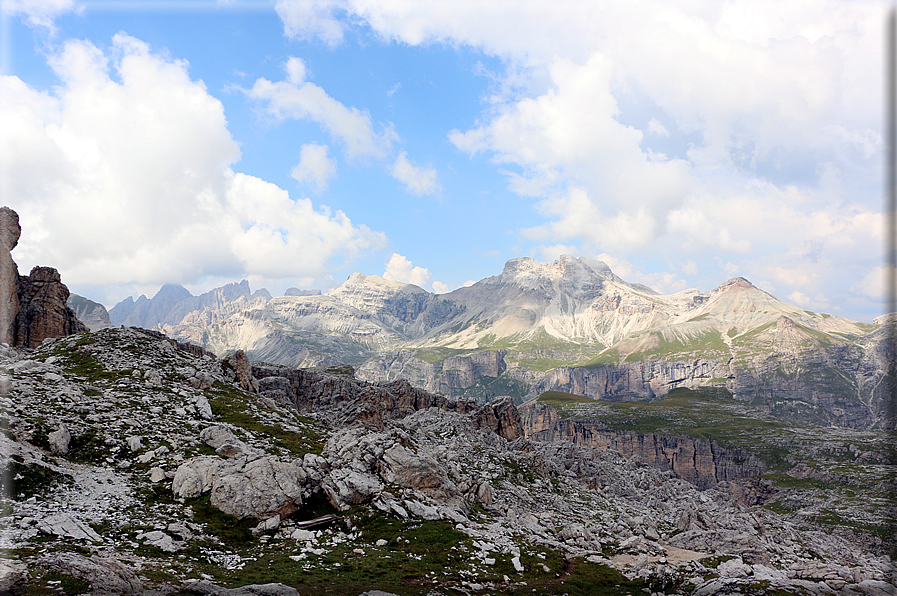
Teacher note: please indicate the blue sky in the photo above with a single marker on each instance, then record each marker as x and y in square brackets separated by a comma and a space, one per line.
[295, 142]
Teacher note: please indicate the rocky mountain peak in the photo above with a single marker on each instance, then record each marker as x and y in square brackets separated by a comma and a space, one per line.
[566, 268]
[173, 292]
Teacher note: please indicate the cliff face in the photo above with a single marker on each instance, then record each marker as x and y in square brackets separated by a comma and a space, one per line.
[449, 376]
[629, 380]
[702, 463]
[347, 400]
[93, 314]
[32, 307]
[9, 275]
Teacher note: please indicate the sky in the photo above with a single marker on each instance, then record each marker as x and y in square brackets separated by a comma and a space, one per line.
[294, 142]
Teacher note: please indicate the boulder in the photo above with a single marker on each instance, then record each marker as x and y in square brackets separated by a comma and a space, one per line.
[222, 440]
[194, 477]
[68, 526]
[13, 577]
[420, 472]
[345, 487]
[244, 486]
[106, 576]
[59, 440]
[207, 588]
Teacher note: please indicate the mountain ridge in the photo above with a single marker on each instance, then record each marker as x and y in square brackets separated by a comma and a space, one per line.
[556, 324]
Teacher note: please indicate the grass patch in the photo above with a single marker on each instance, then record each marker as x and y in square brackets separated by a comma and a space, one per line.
[26, 481]
[232, 406]
[560, 399]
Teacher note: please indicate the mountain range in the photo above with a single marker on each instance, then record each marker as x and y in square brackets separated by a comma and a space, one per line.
[571, 325]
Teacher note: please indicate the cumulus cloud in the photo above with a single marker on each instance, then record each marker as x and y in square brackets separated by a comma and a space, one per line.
[419, 181]
[657, 129]
[299, 99]
[315, 166]
[123, 175]
[399, 268]
[765, 92]
[310, 19]
[38, 13]
[873, 283]
[441, 288]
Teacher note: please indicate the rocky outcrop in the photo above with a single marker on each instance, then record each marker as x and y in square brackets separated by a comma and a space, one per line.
[449, 376]
[32, 307]
[107, 577]
[9, 275]
[628, 381]
[345, 399]
[239, 364]
[92, 314]
[703, 463]
[43, 311]
[248, 485]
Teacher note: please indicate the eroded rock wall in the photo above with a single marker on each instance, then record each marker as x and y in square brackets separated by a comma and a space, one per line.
[703, 463]
[42, 309]
[346, 399]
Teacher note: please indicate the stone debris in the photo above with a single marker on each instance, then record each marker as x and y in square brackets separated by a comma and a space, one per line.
[68, 526]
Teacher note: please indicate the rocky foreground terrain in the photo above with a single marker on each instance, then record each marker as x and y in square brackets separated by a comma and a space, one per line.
[138, 465]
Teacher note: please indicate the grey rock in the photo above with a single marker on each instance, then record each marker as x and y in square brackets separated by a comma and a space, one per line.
[68, 526]
[107, 577]
[207, 588]
[13, 577]
[59, 440]
[160, 540]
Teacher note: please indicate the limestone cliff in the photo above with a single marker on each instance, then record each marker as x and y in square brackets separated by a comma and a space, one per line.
[703, 463]
[449, 376]
[93, 314]
[9, 275]
[346, 399]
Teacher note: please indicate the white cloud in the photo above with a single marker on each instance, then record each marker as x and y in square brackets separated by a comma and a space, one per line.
[873, 283]
[38, 13]
[315, 166]
[123, 175]
[299, 99]
[310, 19]
[818, 302]
[468, 283]
[441, 288]
[657, 129]
[745, 94]
[689, 267]
[399, 268]
[417, 180]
